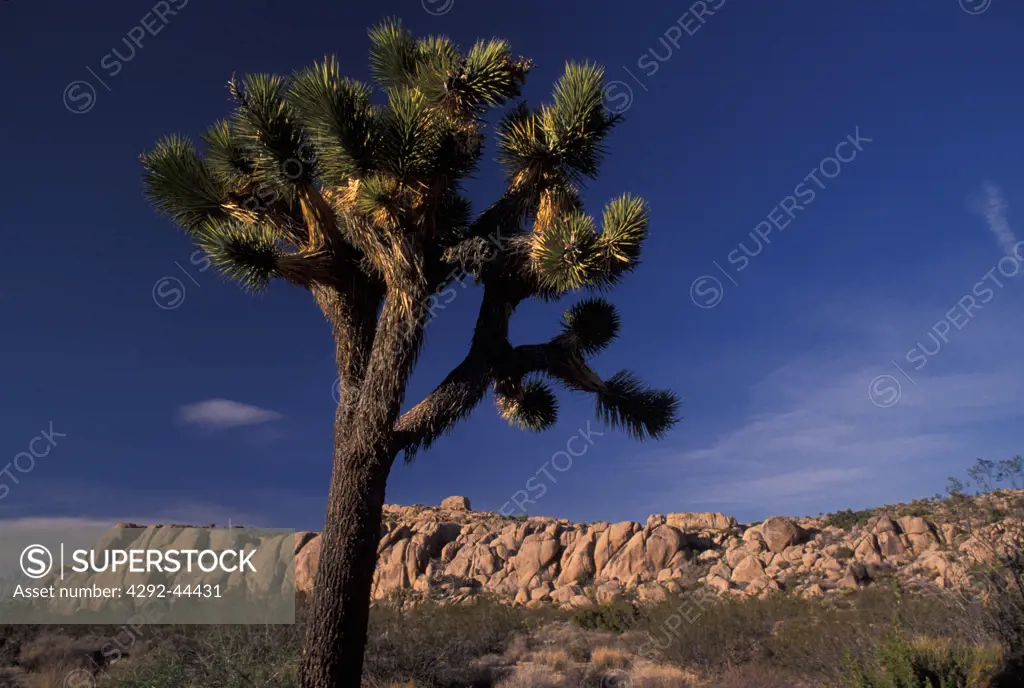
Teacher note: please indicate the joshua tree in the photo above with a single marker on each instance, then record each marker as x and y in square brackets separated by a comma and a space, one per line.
[358, 200]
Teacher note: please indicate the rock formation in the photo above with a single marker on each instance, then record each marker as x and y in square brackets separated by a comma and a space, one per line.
[452, 553]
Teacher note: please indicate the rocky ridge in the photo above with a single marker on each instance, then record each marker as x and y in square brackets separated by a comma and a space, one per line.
[451, 553]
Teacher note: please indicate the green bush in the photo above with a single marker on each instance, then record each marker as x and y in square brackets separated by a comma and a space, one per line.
[615, 617]
[434, 645]
[847, 519]
[808, 637]
[918, 507]
[438, 646]
[213, 657]
[925, 662]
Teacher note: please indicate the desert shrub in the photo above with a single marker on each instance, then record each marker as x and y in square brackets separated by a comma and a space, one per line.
[435, 645]
[615, 617]
[994, 514]
[213, 657]
[1000, 581]
[844, 553]
[798, 636]
[709, 633]
[531, 676]
[11, 638]
[760, 675]
[56, 649]
[999, 603]
[924, 662]
[608, 658]
[162, 669]
[918, 507]
[847, 519]
[651, 676]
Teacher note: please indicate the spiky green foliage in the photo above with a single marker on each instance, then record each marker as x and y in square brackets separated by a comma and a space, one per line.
[393, 54]
[270, 132]
[565, 254]
[411, 137]
[530, 406]
[624, 231]
[590, 326]
[315, 179]
[339, 117]
[577, 123]
[629, 404]
[181, 185]
[227, 157]
[244, 253]
[559, 143]
[569, 253]
[521, 148]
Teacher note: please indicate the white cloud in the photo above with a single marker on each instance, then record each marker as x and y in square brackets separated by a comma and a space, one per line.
[993, 207]
[224, 413]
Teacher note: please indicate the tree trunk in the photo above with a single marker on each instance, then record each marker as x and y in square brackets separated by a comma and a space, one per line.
[337, 620]
[363, 454]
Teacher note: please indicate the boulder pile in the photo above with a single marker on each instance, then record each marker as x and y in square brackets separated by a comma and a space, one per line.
[451, 553]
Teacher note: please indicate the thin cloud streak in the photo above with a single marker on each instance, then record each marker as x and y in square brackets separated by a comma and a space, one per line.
[224, 413]
[811, 436]
[994, 208]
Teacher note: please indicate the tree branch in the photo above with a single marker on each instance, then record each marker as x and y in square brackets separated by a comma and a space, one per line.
[464, 387]
[451, 401]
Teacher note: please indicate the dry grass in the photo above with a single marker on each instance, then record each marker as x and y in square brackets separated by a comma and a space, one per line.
[981, 663]
[556, 659]
[608, 658]
[760, 676]
[532, 676]
[59, 677]
[661, 676]
[772, 643]
[51, 649]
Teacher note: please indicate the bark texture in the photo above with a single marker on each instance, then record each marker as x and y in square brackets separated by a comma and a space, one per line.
[336, 631]
[373, 373]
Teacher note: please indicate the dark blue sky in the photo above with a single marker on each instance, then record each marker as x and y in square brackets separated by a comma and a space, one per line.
[727, 115]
